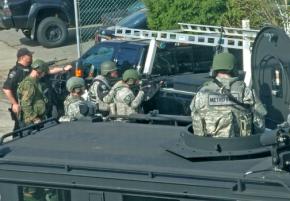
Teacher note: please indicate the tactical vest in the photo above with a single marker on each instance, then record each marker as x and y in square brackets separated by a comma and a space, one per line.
[214, 114]
[72, 108]
[101, 83]
[68, 102]
[123, 97]
[38, 101]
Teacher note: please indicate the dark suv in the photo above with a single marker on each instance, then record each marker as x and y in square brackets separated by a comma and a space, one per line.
[48, 21]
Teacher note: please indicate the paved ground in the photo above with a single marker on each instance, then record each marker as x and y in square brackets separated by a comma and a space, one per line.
[10, 41]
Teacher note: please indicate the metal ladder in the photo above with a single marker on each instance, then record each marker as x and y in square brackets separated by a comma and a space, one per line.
[194, 34]
[227, 31]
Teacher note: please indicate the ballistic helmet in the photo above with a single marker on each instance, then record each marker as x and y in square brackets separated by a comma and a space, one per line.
[130, 74]
[75, 83]
[107, 67]
[223, 61]
[40, 66]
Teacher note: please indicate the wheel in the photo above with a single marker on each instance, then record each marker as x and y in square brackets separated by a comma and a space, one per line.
[52, 32]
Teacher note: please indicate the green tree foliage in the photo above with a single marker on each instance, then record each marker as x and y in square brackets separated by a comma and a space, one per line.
[259, 12]
[165, 14]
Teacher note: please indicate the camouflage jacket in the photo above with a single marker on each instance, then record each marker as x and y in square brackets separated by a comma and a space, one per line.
[72, 108]
[98, 90]
[214, 114]
[125, 100]
[31, 100]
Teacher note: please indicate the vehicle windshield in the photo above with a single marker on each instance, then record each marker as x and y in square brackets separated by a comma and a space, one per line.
[135, 7]
[136, 20]
[94, 57]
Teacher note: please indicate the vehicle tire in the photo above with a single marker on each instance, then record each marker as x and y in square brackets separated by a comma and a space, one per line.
[52, 32]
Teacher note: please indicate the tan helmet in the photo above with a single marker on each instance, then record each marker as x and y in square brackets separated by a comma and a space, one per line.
[107, 67]
[130, 74]
[75, 83]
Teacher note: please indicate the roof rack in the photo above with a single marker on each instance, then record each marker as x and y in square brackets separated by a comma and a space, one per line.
[22, 132]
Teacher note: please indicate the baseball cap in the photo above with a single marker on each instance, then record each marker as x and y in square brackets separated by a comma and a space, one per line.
[23, 51]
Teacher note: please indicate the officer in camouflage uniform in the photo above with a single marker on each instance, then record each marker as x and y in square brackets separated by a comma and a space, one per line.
[30, 95]
[75, 107]
[123, 96]
[102, 85]
[225, 106]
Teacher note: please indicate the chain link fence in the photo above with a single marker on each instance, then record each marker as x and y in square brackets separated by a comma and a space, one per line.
[93, 14]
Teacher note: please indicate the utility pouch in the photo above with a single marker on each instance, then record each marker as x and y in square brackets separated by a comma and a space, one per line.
[245, 122]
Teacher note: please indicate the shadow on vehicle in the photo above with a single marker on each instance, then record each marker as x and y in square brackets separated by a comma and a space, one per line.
[136, 20]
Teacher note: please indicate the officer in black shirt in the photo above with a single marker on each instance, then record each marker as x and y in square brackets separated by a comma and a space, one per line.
[15, 76]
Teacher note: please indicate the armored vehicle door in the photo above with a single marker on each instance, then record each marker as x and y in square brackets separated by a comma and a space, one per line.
[270, 71]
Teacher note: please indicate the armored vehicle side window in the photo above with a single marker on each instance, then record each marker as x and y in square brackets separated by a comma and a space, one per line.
[28, 193]
[143, 198]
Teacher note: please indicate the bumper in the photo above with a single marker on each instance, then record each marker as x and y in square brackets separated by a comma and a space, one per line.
[6, 22]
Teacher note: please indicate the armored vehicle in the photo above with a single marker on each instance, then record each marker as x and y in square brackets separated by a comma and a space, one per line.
[154, 157]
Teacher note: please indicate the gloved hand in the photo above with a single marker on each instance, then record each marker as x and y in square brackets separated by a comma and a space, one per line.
[84, 109]
[143, 85]
[36, 120]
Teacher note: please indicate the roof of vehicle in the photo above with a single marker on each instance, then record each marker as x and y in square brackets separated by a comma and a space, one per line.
[126, 146]
[131, 157]
[133, 42]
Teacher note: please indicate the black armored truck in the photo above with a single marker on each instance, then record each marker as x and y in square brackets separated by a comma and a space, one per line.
[154, 157]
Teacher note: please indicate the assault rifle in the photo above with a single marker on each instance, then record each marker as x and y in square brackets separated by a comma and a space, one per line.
[151, 84]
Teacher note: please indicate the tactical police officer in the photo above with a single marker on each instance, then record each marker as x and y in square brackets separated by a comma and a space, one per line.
[75, 106]
[102, 85]
[30, 95]
[225, 106]
[15, 76]
[122, 94]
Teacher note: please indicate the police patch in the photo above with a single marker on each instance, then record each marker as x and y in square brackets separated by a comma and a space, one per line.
[128, 99]
[220, 99]
[12, 74]
[103, 87]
